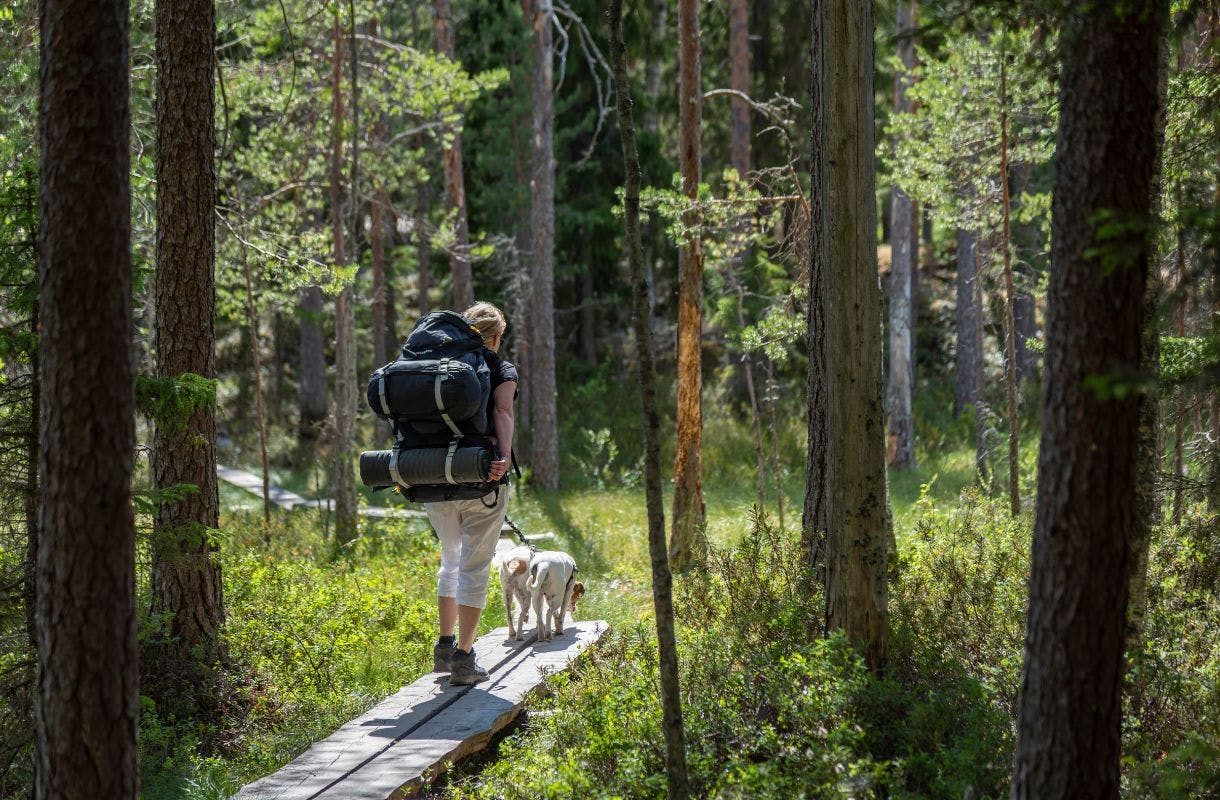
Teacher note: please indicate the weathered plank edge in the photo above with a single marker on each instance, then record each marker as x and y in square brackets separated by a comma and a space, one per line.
[479, 741]
[268, 787]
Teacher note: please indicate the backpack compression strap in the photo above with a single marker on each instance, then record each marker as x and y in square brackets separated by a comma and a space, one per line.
[449, 461]
[440, 405]
[385, 404]
[394, 473]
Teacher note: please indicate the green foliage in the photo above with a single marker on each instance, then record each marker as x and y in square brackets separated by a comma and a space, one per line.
[947, 150]
[170, 401]
[1187, 359]
[1172, 720]
[962, 573]
[312, 642]
[771, 710]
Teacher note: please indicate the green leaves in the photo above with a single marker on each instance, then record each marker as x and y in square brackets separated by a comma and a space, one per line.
[170, 401]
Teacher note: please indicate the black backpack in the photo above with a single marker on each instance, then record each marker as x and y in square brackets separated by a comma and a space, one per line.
[439, 387]
[435, 397]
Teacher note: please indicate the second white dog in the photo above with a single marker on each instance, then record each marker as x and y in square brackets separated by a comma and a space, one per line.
[513, 580]
[553, 585]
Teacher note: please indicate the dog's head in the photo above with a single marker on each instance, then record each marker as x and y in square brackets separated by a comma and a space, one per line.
[517, 565]
[578, 591]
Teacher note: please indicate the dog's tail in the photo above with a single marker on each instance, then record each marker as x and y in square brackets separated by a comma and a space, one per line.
[537, 575]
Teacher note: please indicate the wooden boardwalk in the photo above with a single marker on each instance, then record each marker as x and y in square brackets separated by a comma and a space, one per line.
[289, 500]
[408, 739]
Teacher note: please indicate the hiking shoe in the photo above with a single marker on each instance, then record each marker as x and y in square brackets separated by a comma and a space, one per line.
[442, 654]
[464, 670]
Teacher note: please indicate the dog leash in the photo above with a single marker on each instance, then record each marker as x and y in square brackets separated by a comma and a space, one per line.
[520, 535]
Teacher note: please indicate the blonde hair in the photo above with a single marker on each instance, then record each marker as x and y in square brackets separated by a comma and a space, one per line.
[488, 319]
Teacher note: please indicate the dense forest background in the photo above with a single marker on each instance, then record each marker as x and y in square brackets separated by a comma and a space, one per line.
[367, 162]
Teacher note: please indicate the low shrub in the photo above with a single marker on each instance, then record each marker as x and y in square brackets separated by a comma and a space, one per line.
[772, 708]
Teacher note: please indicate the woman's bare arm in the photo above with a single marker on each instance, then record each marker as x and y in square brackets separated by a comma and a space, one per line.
[505, 424]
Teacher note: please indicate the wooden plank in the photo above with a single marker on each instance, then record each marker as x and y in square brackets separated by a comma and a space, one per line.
[332, 759]
[290, 500]
[408, 739]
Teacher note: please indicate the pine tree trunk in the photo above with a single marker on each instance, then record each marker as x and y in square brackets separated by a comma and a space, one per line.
[687, 541]
[1010, 332]
[29, 593]
[813, 516]
[588, 314]
[377, 237]
[1179, 404]
[900, 425]
[1068, 733]
[181, 663]
[968, 360]
[1025, 245]
[671, 703]
[1213, 489]
[312, 358]
[739, 80]
[260, 415]
[857, 504]
[455, 186]
[344, 480]
[659, 15]
[423, 202]
[87, 701]
[543, 416]
[739, 149]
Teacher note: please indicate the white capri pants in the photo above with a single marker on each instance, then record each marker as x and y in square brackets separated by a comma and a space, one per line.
[468, 531]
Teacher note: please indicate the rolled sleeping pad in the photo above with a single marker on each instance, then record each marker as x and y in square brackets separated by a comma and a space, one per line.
[426, 466]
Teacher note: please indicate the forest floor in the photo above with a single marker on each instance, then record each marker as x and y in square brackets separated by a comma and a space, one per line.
[318, 637]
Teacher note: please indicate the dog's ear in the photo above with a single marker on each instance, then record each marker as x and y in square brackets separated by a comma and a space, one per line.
[578, 591]
[517, 566]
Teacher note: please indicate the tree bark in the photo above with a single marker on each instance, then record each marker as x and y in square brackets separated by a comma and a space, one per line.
[687, 541]
[423, 202]
[671, 703]
[1213, 470]
[739, 149]
[739, 80]
[588, 315]
[968, 359]
[344, 480]
[900, 425]
[545, 434]
[1068, 732]
[260, 415]
[377, 237]
[181, 662]
[659, 12]
[312, 358]
[857, 504]
[1179, 404]
[455, 186]
[87, 697]
[1010, 333]
[813, 516]
[1025, 245]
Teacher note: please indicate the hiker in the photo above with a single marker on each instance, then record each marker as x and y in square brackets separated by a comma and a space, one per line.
[469, 529]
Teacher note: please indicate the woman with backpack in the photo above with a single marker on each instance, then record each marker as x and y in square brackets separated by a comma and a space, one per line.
[469, 529]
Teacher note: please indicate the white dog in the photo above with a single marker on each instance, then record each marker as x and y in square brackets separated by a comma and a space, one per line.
[514, 565]
[552, 581]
